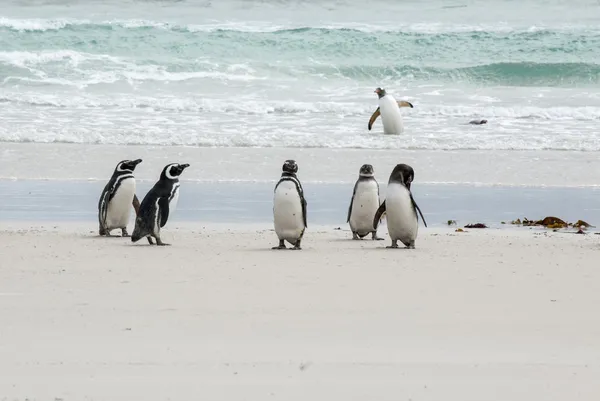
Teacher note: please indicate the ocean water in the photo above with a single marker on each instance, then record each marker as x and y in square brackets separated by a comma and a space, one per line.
[250, 202]
[283, 73]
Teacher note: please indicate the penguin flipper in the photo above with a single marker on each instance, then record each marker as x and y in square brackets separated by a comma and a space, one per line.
[163, 206]
[373, 118]
[352, 202]
[304, 211]
[418, 208]
[136, 204]
[103, 208]
[378, 214]
[404, 103]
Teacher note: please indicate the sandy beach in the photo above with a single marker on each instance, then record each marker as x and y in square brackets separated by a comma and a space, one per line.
[496, 314]
[235, 88]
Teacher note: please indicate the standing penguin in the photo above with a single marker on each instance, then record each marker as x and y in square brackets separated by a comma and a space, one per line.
[364, 204]
[158, 203]
[389, 108]
[400, 208]
[116, 198]
[289, 207]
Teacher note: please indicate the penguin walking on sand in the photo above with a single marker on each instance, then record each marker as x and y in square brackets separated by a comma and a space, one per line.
[289, 207]
[389, 109]
[400, 208]
[117, 197]
[158, 204]
[364, 204]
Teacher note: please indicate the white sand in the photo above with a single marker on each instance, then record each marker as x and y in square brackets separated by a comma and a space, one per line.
[482, 315]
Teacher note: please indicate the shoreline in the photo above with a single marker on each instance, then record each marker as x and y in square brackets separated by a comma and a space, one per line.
[58, 161]
[237, 202]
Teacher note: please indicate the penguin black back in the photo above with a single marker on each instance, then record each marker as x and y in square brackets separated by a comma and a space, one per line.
[155, 208]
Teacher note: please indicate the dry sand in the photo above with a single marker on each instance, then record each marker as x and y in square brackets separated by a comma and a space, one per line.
[482, 315]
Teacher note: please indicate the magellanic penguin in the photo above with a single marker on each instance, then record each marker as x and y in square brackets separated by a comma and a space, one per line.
[364, 204]
[389, 109]
[117, 197]
[400, 208]
[158, 204]
[289, 207]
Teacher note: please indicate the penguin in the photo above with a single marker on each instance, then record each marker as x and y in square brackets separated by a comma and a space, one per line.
[400, 208]
[289, 207]
[364, 204]
[389, 108]
[158, 204]
[116, 197]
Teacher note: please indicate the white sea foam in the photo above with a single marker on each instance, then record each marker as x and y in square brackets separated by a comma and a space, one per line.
[41, 24]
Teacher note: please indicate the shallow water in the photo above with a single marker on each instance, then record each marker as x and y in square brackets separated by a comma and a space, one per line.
[55, 201]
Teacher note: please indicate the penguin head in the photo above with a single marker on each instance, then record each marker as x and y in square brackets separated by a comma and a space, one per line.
[380, 92]
[403, 174]
[172, 171]
[366, 170]
[290, 167]
[127, 165]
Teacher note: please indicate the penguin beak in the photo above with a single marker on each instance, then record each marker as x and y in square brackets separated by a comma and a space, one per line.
[184, 166]
[136, 162]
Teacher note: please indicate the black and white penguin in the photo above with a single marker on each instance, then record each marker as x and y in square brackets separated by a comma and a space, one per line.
[116, 199]
[158, 204]
[289, 207]
[389, 109]
[400, 208]
[364, 204]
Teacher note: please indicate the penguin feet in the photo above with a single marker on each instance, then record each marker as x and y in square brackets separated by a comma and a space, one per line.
[394, 245]
[160, 243]
[124, 233]
[374, 236]
[150, 240]
[297, 246]
[355, 236]
[411, 246]
[280, 246]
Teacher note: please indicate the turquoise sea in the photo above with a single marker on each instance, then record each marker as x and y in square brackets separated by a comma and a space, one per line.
[301, 73]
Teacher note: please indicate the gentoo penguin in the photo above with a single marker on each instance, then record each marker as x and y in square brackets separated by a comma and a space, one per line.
[158, 204]
[289, 207]
[116, 198]
[400, 208]
[389, 108]
[364, 204]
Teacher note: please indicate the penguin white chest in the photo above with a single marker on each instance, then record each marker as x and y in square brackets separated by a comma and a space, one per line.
[364, 206]
[174, 199]
[391, 117]
[119, 207]
[287, 212]
[401, 217]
